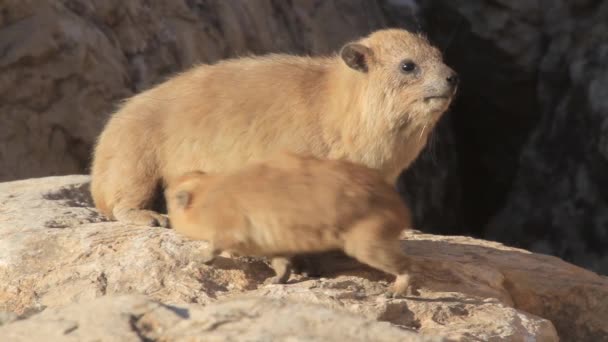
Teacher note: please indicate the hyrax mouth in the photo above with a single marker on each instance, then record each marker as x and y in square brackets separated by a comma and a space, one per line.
[437, 97]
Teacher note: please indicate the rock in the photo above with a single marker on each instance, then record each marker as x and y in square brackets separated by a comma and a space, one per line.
[454, 315]
[558, 192]
[136, 318]
[69, 254]
[524, 158]
[56, 250]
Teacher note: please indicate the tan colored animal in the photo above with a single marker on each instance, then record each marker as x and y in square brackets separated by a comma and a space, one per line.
[293, 204]
[374, 103]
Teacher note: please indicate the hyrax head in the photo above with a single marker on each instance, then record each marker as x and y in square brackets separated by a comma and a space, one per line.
[181, 196]
[407, 78]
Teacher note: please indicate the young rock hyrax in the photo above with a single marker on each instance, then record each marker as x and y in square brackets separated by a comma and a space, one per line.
[290, 205]
[373, 103]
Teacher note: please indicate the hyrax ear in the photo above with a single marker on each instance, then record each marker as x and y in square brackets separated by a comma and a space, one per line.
[183, 199]
[356, 56]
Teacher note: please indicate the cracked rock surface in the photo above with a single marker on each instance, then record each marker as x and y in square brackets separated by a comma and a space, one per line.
[137, 318]
[58, 255]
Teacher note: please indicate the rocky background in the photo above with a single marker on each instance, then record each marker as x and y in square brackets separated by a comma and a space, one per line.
[521, 158]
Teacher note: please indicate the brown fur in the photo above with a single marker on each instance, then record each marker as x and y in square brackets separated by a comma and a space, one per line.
[293, 204]
[357, 105]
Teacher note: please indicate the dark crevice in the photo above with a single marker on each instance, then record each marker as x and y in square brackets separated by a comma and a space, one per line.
[490, 121]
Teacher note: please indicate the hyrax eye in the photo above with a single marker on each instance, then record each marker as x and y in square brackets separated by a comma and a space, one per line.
[407, 66]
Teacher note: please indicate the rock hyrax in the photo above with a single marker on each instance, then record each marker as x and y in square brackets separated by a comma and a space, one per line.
[373, 103]
[290, 205]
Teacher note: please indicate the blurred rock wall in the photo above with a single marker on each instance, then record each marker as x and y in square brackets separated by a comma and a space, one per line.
[530, 127]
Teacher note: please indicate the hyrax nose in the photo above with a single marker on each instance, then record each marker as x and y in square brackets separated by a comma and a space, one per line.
[453, 80]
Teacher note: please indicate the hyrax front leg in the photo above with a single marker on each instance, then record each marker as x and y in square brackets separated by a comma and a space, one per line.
[282, 268]
[125, 182]
[369, 243]
[209, 254]
[133, 197]
[389, 258]
[140, 217]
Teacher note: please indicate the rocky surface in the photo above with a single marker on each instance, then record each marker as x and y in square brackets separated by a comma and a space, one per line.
[136, 318]
[520, 158]
[55, 250]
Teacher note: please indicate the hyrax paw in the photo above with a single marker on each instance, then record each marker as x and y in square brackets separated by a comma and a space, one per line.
[306, 267]
[274, 281]
[163, 221]
[141, 217]
[307, 272]
[403, 286]
[393, 295]
[396, 294]
[158, 220]
[206, 260]
[208, 256]
[413, 291]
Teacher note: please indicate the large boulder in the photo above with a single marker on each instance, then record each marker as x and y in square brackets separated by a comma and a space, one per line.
[56, 250]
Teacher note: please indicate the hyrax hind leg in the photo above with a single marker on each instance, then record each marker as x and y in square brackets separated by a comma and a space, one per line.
[282, 268]
[209, 254]
[140, 217]
[131, 204]
[376, 245]
[131, 196]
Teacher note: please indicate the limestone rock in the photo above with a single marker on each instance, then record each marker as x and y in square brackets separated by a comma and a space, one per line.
[454, 315]
[524, 158]
[63, 252]
[56, 250]
[135, 318]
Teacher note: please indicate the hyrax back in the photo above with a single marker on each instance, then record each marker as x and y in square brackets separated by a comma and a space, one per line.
[373, 103]
[293, 204]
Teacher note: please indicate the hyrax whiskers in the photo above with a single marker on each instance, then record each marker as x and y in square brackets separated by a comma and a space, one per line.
[373, 103]
[293, 204]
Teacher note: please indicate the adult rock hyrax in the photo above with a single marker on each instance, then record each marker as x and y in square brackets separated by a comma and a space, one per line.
[294, 204]
[373, 103]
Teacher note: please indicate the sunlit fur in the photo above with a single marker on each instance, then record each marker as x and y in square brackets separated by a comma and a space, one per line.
[218, 117]
[292, 204]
